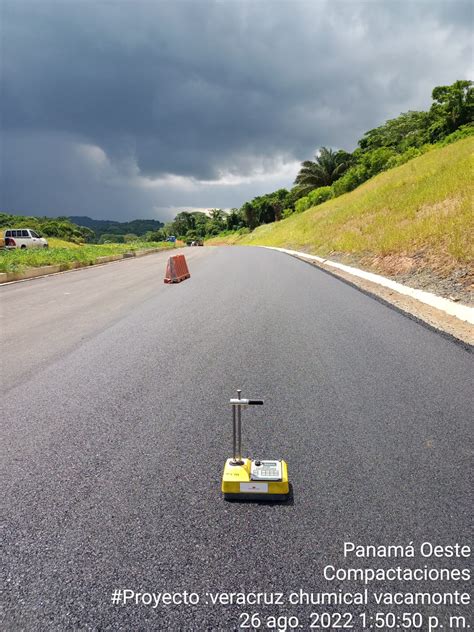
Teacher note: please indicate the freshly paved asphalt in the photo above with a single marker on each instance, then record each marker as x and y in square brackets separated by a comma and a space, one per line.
[116, 425]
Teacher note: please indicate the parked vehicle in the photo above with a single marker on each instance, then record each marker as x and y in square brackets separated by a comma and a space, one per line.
[172, 238]
[23, 238]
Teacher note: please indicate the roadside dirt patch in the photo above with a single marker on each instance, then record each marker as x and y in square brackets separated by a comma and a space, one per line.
[441, 275]
[445, 207]
[392, 264]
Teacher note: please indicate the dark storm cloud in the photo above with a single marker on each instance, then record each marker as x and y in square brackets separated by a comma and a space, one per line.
[203, 90]
[51, 174]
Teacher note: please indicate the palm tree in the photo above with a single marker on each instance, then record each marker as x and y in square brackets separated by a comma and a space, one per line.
[327, 167]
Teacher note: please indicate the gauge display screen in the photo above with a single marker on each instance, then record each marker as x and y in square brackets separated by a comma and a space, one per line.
[265, 471]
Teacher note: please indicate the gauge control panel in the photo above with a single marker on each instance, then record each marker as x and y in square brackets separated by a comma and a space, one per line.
[265, 470]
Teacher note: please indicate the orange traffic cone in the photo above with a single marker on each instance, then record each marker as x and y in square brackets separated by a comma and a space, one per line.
[176, 269]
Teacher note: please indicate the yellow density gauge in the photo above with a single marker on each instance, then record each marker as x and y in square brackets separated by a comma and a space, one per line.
[252, 479]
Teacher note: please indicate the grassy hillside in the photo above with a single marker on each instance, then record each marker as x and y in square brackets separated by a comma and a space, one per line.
[418, 214]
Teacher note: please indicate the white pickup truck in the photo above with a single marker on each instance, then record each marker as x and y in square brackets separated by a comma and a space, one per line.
[23, 238]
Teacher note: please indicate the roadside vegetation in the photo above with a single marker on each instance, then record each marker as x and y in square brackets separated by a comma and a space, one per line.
[70, 244]
[68, 254]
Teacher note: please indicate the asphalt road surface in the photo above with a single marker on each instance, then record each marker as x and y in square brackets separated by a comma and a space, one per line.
[116, 426]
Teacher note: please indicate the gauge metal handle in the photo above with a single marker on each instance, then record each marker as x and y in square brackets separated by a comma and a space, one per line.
[237, 405]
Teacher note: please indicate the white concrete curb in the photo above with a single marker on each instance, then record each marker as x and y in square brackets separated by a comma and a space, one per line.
[463, 312]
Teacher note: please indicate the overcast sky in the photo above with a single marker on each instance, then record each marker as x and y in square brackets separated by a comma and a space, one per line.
[130, 109]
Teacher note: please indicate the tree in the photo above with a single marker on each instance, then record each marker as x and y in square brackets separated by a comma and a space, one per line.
[110, 238]
[216, 221]
[279, 201]
[327, 167]
[410, 129]
[263, 207]
[168, 229]
[235, 220]
[266, 208]
[191, 235]
[87, 234]
[453, 106]
[155, 235]
[250, 215]
[182, 223]
[201, 223]
[295, 194]
[217, 214]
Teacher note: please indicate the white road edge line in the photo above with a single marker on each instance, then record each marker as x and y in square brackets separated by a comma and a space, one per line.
[463, 312]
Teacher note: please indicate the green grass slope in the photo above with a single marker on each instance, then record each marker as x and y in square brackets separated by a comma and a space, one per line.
[418, 214]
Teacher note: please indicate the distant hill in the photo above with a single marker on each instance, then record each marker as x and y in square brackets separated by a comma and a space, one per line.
[102, 226]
